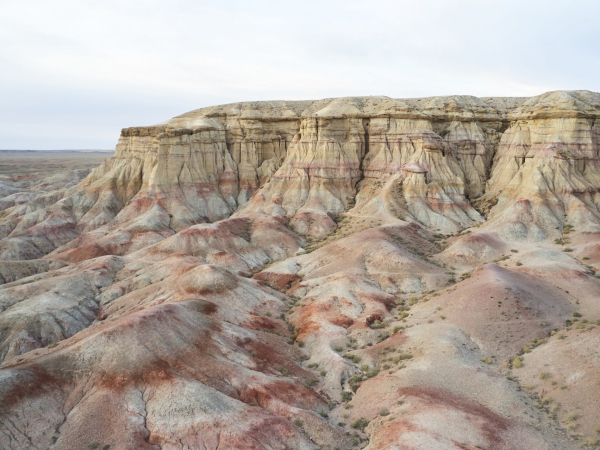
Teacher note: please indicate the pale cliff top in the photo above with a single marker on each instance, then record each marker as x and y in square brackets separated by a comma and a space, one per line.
[552, 104]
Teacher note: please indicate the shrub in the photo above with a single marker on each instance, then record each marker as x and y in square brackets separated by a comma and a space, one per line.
[300, 344]
[486, 360]
[514, 250]
[384, 412]
[346, 396]
[106, 447]
[519, 263]
[339, 349]
[354, 358]
[341, 424]
[354, 382]
[517, 363]
[544, 375]
[323, 413]
[360, 424]
[93, 445]
[378, 324]
[567, 249]
[323, 373]
[310, 382]
[284, 371]
[371, 373]
[585, 258]
[576, 314]
[299, 423]
[383, 336]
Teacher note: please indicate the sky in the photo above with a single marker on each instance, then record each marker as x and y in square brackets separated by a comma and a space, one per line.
[73, 73]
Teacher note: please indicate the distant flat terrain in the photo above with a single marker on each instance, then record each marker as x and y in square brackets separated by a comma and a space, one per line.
[25, 168]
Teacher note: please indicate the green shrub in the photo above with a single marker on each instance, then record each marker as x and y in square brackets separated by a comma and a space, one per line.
[299, 423]
[517, 363]
[346, 396]
[371, 373]
[384, 412]
[378, 324]
[284, 371]
[360, 424]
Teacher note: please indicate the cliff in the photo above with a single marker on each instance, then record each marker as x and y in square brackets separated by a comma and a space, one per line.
[264, 274]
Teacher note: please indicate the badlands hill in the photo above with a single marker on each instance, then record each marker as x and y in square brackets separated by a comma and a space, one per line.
[359, 272]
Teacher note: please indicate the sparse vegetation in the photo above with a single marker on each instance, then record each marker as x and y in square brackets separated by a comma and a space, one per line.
[360, 424]
[517, 363]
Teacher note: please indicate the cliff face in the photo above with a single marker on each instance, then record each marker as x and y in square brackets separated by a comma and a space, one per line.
[235, 275]
[309, 160]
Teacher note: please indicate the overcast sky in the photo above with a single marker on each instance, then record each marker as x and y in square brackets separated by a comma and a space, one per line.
[73, 73]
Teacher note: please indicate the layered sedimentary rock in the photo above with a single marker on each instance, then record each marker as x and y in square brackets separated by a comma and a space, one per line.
[311, 159]
[273, 274]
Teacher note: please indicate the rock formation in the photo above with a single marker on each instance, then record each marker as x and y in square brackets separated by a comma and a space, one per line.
[359, 272]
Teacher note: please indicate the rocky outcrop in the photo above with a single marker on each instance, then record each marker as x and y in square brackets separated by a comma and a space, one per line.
[268, 274]
[309, 161]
